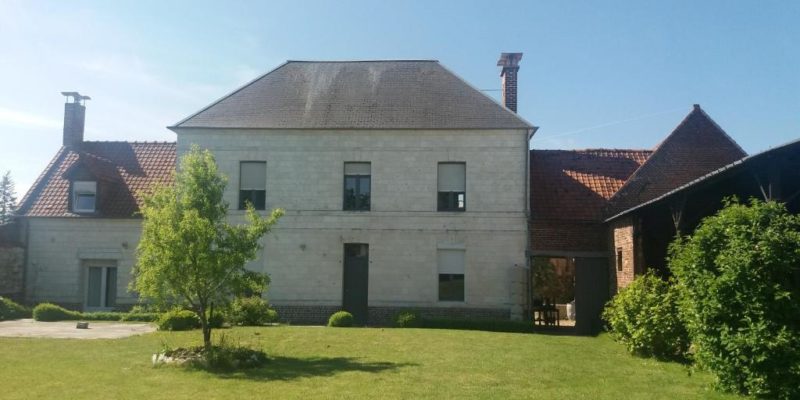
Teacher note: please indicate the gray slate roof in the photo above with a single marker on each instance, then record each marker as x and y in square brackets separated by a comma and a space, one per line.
[357, 95]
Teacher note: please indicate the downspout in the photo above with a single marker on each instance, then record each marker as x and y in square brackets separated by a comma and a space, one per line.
[528, 246]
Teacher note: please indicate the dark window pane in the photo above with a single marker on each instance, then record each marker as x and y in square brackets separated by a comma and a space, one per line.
[84, 202]
[451, 287]
[452, 201]
[95, 284]
[356, 192]
[255, 197]
[111, 287]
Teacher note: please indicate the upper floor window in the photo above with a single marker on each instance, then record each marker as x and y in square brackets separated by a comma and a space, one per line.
[84, 196]
[253, 184]
[357, 185]
[452, 186]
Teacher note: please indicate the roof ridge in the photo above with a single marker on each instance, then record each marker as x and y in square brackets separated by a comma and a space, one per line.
[364, 61]
[596, 149]
[131, 141]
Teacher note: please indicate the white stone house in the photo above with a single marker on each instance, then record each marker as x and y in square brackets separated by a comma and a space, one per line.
[404, 188]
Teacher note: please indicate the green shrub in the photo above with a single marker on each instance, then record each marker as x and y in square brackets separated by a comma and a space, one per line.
[52, 312]
[11, 310]
[217, 320]
[645, 317]
[341, 319]
[478, 325]
[740, 273]
[252, 311]
[178, 320]
[407, 319]
[101, 316]
[140, 316]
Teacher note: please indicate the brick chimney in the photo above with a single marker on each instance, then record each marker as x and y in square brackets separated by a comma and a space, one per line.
[74, 118]
[510, 64]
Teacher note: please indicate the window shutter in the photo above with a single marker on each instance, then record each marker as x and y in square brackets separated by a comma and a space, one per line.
[450, 261]
[84, 187]
[253, 176]
[452, 177]
[357, 168]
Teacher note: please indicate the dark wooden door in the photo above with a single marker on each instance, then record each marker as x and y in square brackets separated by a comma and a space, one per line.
[356, 281]
[591, 293]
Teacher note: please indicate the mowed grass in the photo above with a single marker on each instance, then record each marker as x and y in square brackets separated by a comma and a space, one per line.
[314, 362]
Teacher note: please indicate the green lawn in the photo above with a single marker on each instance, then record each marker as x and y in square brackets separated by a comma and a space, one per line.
[313, 362]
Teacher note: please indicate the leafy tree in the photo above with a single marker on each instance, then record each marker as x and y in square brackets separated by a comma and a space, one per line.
[740, 279]
[8, 198]
[188, 253]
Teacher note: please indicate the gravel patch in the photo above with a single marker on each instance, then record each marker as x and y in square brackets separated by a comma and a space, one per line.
[67, 329]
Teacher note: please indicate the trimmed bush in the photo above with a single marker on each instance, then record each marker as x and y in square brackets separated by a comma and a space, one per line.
[407, 319]
[252, 311]
[740, 273]
[140, 316]
[11, 310]
[217, 320]
[341, 319]
[51, 312]
[178, 320]
[645, 317]
[478, 325]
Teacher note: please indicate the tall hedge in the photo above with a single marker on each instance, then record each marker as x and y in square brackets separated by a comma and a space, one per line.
[740, 276]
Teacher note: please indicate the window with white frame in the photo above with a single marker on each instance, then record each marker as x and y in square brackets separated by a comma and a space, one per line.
[452, 186]
[357, 186]
[253, 184]
[101, 284]
[84, 196]
[451, 274]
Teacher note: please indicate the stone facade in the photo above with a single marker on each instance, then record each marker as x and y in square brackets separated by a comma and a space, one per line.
[304, 253]
[60, 248]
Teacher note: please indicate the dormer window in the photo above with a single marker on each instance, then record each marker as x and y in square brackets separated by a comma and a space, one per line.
[84, 196]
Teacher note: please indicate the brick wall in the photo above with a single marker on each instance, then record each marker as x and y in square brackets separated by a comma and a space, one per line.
[622, 242]
[384, 316]
[12, 262]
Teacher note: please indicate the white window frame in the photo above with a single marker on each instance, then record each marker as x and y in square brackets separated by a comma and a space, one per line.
[104, 267]
[83, 188]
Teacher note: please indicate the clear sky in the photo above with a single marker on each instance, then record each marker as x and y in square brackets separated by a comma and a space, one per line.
[594, 74]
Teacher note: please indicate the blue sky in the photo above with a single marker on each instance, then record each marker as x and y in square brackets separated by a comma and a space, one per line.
[594, 74]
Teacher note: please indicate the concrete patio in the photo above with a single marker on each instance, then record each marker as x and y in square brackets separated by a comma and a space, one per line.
[67, 329]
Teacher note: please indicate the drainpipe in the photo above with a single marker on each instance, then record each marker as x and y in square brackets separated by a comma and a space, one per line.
[528, 247]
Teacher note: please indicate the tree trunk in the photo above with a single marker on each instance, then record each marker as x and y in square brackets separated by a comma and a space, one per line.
[201, 312]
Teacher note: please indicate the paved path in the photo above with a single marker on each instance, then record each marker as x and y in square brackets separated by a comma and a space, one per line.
[67, 330]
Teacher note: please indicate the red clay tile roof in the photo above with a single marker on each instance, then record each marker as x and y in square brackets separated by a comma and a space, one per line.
[696, 147]
[576, 184]
[123, 171]
[569, 192]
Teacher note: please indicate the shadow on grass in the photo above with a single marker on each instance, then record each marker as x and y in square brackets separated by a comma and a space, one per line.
[289, 368]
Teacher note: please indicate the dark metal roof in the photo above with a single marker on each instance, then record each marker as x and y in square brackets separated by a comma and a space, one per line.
[793, 145]
[405, 94]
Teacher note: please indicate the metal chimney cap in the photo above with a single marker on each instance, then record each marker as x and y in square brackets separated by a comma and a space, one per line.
[509, 59]
[76, 97]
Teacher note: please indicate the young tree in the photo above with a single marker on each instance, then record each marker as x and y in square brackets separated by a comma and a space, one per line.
[188, 253]
[8, 199]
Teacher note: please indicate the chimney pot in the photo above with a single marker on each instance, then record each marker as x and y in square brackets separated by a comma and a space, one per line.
[508, 75]
[74, 118]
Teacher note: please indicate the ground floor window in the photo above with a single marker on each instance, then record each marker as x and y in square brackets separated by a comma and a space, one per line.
[101, 284]
[451, 274]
